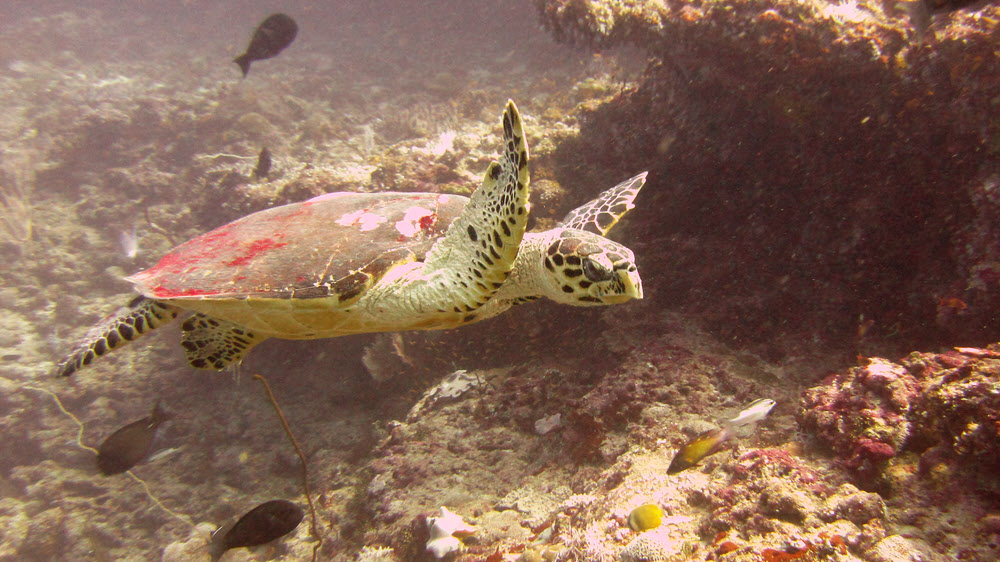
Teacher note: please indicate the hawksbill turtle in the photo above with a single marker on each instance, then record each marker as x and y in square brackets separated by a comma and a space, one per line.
[350, 263]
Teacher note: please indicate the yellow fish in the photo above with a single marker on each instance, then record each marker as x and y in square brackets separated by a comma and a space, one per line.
[706, 444]
[645, 517]
[710, 442]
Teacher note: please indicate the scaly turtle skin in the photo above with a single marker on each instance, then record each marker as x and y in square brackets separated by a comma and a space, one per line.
[349, 263]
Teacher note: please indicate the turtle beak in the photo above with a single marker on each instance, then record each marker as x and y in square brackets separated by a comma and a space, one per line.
[631, 288]
[633, 285]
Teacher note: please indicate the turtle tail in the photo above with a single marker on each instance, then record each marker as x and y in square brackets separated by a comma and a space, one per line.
[138, 318]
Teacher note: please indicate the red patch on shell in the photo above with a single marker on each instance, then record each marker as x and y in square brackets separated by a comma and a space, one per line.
[427, 222]
[254, 249]
[164, 293]
[173, 267]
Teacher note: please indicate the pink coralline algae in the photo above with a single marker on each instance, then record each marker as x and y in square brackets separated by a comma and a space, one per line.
[774, 463]
[868, 404]
[868, 460]
[944, 406]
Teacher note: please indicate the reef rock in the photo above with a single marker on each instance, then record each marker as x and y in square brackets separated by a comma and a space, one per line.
[862, 412]
[791, 136]
[943, 406]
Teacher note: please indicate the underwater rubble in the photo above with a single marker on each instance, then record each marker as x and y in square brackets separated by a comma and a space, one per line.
[769, 238]
[566, 494]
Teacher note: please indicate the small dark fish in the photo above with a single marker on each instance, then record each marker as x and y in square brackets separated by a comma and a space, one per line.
[271, 37]
[706, 444]
[11, 357]
[131, 444]
[263, 164]
[262, 524]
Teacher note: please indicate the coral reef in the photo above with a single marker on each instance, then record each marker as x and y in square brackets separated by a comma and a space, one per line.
[795, 141]
[923, 428]
[942, 406]
[863, 413]
[580, 481]
[789, 143]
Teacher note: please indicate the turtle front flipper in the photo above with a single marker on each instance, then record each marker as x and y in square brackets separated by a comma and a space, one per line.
[467, 266]
[133, 321]
[212, 343]
[599, 215]
[574, 263]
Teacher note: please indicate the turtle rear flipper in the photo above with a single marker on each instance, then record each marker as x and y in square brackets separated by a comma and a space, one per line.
[141, 316]
[212, 343]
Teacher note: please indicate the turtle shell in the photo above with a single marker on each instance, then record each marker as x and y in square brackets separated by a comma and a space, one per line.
[322, 247]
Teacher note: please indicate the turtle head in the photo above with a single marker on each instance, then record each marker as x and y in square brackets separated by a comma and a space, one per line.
[587, 269]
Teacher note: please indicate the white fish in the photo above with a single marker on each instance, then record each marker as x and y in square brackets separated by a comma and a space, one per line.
[162, 453]
[129, 243]
[755, 411]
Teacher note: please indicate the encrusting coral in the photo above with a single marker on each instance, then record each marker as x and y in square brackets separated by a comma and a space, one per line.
[942, 406]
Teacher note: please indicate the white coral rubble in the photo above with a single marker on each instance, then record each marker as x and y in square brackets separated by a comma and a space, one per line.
[446, 531]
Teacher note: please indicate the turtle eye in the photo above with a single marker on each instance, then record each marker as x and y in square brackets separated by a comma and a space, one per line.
[595, 271]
